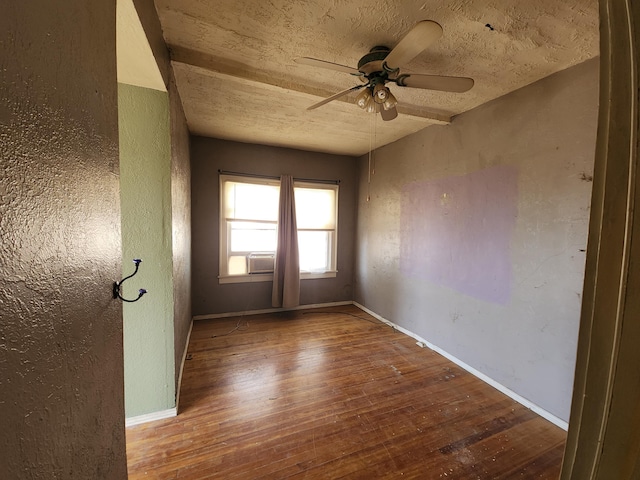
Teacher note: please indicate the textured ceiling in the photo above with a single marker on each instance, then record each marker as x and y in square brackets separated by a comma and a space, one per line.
[236, 74]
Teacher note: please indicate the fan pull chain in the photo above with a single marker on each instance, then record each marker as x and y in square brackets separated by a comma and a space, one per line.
[375, 143]
[369, 179]
[373, 140]
[371, 127]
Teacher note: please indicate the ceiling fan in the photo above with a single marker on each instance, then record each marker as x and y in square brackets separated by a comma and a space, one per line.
[382, 65]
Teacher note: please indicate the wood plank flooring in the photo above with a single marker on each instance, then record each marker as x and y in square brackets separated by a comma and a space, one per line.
[333, 393]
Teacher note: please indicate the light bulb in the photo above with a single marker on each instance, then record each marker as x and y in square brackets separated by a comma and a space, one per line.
[380, 93]
[390, 102]
[363, 98]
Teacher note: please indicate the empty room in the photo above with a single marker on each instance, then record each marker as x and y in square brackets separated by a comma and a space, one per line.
[268, 240]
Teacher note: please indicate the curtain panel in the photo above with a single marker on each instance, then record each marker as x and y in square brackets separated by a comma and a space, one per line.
[286, 274]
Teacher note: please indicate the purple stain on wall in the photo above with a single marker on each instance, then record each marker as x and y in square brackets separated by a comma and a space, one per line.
[456, 232]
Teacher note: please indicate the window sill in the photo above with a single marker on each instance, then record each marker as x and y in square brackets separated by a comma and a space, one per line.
[268, 277]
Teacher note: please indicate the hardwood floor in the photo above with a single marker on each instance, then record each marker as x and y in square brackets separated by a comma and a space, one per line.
[333, 393]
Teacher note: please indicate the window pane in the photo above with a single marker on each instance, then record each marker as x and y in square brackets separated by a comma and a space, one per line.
[314, 251]
[251, 201]
[252, 237]
[237, 265]
[315, 207]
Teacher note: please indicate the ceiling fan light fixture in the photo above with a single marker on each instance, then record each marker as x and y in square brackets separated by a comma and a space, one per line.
[364, 98]
[380, 93]
[382, 65]
[390, 102]
[372, 106]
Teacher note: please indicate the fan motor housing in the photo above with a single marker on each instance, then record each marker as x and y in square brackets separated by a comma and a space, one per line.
[372, 61]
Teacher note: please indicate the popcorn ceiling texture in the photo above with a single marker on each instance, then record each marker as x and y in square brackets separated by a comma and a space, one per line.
[246, 44]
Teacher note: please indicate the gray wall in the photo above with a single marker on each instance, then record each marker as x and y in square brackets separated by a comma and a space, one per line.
[475, 234]
[207, 157]
[61, 367]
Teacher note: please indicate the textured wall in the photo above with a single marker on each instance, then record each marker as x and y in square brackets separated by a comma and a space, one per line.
[145, 192]
[180, 184]
[475, 233]
[61, 379]
[181, 225]
[210, 155]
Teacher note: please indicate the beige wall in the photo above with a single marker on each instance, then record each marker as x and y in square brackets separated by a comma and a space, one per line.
[208, 156]
[61, 365]
[475, 235]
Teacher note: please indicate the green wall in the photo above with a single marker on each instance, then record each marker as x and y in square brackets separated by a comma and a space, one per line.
[145, 193]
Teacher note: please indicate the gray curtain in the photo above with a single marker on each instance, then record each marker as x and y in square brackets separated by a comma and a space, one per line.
[286, 274]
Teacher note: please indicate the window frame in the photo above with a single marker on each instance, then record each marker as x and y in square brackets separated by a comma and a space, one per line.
[225, 231]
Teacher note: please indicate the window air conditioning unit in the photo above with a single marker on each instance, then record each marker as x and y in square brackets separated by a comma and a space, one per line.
[260, 262]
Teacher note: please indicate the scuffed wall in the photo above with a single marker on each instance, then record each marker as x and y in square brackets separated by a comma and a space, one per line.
[61, 365]
[210, 155]
[475, 234]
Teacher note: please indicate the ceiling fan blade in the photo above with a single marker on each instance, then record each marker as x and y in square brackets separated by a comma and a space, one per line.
[414, 42]
[389, 114]
[333, 97]
[314, 62]
[435, 82]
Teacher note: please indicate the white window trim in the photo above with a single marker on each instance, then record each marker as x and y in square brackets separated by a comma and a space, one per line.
[268, 277]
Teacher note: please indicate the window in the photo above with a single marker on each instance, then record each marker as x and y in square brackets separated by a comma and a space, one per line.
[316, 216]
[248, 224]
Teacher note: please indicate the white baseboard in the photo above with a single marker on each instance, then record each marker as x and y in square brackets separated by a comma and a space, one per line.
[271, 310]
[171, 412]
[184, 358]
[510, 393]
[150, 417]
